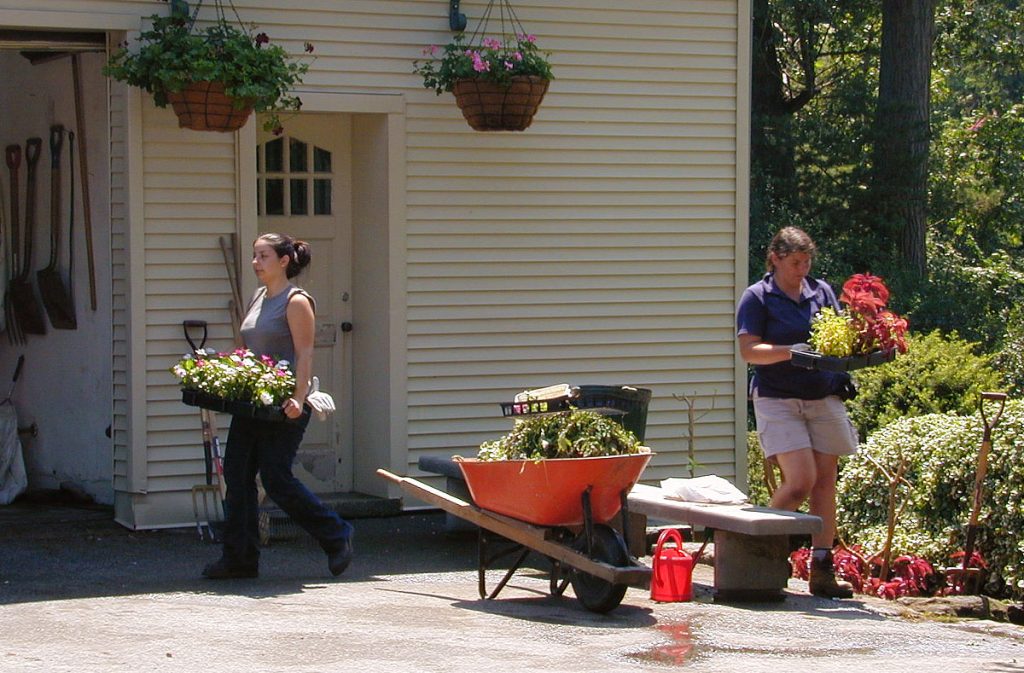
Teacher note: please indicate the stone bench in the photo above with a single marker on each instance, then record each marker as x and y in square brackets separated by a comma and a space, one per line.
[751, 543]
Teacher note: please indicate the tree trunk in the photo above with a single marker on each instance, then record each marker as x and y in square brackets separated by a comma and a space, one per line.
[771, 146]
[901, 124]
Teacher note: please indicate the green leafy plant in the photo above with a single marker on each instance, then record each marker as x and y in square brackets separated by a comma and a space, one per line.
[578, 433]
[174, 53]
[938, 374]
[941, 452]
[237, 376]
[491, 60]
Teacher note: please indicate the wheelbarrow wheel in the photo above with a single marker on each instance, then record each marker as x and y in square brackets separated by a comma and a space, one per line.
[596, 594]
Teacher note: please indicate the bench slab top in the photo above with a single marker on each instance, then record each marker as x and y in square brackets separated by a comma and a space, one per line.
[440, 465]
[745, 519]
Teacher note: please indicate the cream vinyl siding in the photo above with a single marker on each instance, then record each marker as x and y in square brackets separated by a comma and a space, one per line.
[119, 240]
[604, 245]
[189, 187]
[599, 246]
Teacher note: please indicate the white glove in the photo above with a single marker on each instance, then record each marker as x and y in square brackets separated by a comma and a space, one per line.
[321, 403]
[801, 347]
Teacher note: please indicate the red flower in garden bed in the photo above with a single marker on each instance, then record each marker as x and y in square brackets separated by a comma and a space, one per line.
[909, 575]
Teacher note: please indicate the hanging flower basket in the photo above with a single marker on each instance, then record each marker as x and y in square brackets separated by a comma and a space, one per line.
[491, 106]
[498, 83]
[203, 106]
[213, 74]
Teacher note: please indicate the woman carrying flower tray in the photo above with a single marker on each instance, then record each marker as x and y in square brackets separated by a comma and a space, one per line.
[279, 323]
[801, 419]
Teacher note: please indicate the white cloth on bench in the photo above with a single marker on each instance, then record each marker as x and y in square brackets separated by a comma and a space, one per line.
[710, 488]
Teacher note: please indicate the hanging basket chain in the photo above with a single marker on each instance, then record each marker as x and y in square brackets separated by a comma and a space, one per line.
[506, 15]
[220, 11]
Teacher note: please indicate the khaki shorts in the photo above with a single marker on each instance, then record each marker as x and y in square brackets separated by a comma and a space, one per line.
[787, 424]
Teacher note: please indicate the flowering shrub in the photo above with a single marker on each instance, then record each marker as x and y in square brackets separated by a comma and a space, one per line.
[238, 376]
[491, 60]
[942, 453]
[864, 327]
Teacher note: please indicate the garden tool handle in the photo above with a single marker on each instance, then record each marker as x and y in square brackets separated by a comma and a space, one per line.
[13, 157]
[56, 143]
[989, 427]
[33, 148]
[193, 324]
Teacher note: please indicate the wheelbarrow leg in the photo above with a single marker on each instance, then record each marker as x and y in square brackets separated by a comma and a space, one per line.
[486, 559]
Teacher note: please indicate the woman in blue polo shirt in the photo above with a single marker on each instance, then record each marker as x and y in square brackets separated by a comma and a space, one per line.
[801, 419]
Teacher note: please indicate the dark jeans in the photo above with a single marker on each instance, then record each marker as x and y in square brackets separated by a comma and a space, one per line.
[269, 447]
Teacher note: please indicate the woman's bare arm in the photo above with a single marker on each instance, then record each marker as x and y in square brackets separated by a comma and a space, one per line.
[756, 352]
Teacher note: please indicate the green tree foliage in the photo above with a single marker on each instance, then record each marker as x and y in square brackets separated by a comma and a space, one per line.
[937, 375]
[941, 452]
[976, 167]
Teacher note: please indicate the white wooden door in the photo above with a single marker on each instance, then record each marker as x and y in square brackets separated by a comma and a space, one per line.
[304, 189]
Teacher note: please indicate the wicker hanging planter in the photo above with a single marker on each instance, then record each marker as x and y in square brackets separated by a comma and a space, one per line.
[490, 106]
[190, 66]
[203, 106]
[498, 79]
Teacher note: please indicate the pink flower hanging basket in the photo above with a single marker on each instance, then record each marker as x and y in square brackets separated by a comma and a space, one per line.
[490, 106]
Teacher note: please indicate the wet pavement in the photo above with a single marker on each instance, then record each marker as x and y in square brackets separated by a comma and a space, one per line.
[80, 593]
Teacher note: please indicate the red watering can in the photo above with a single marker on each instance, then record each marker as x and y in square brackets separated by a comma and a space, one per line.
[672, 569]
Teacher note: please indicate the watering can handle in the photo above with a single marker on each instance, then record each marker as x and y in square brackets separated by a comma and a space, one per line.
[668, 535]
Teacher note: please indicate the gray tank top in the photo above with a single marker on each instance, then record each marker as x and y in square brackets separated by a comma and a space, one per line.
[265, 328]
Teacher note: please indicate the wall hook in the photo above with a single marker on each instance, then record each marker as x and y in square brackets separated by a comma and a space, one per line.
[456, 19]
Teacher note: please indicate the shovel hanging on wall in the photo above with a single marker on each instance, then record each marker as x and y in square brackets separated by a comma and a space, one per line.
[12, 155]
[26, 307]
[56, 294]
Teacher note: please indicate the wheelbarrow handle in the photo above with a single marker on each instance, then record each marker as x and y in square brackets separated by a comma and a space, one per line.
[187, 325]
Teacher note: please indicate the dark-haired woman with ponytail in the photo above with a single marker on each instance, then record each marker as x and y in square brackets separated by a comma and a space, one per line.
[279, 323]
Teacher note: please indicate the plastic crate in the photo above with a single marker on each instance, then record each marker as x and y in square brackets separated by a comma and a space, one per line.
[815, 360]
[626, 404]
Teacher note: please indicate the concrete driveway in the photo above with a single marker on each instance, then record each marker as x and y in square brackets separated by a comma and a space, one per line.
[80, 593]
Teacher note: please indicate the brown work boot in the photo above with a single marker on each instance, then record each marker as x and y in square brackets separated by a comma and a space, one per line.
[823, 580]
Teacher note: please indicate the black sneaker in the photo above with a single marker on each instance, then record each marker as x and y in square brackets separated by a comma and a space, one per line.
[221, 569]
[338, 560]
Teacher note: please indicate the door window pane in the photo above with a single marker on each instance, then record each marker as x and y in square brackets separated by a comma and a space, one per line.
[299, 197]
[297, 156]
[321, 160]
[274, 158]
[321, 197]
[275, 197]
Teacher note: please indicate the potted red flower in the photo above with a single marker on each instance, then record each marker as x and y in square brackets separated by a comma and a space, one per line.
[864, 334]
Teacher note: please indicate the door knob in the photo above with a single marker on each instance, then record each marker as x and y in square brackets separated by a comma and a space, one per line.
[346, 327]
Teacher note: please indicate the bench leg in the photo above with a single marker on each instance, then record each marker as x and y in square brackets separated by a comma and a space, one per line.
[750, 568]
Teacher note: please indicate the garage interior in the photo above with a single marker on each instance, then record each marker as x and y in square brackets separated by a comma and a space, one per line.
[63, 397]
